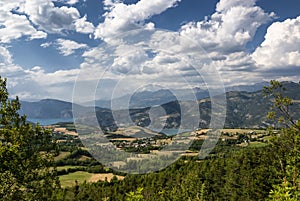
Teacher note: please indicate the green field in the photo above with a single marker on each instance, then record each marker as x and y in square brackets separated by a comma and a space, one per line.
[82, 176]
[258, 144]
[69, 179]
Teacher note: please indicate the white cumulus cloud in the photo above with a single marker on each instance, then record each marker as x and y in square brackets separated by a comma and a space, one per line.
[50, 18]
[44, 45]
[68, 47]
[70, 2]
[230, 28]
[83, 26]
[281, 47]
[35, 18]
[7, 66]
[13, 25]
[121, 17]
[5, 56]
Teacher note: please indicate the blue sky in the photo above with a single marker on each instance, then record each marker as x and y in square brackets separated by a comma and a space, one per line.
[49, 46]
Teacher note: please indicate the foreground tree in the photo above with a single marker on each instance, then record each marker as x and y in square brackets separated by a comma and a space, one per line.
[286, 145]
[26, 153]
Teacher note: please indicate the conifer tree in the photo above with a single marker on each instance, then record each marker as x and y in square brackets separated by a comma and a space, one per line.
[286, 145]
[26, 153]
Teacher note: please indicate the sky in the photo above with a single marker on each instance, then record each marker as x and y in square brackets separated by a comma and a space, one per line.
[105, 49]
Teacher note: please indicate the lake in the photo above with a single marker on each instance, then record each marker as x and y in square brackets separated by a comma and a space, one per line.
[45, 122]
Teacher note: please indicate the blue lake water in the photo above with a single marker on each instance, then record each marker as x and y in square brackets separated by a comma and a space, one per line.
[45, 122]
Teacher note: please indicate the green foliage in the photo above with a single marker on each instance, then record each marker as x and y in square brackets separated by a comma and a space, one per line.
[286, 145]
[284, 192]
[243, 174]
[135, 196]
[280, 110]
[25, 155]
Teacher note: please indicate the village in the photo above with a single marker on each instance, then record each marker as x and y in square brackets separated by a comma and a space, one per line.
[142, 140]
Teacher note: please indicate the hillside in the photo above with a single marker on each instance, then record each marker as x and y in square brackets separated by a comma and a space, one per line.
[47, 108]
[142, 99]
[244, 109]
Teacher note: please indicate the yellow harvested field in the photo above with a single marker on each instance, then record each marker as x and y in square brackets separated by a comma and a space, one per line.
[103, 177]
[133, 130]
[60, 130]
[65, 131]
[71, 133]
[164, 141]
[202, 131]
[202, 137]
[190, 154]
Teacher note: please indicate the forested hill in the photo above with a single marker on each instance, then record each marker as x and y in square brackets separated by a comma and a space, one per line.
[47, 108]
[244, 109]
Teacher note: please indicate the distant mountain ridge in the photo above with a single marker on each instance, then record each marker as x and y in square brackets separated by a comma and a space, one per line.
[47, 108]
[244, 109]
[150, 98]
[248, 88]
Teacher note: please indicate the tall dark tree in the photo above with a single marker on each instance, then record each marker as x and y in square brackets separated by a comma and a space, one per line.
[26, 153]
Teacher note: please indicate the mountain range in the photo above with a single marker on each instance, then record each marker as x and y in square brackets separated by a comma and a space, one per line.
[150, 98]
[246, 108]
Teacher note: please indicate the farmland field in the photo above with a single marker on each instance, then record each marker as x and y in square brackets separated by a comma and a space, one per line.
[69, 179]
[82, 176]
